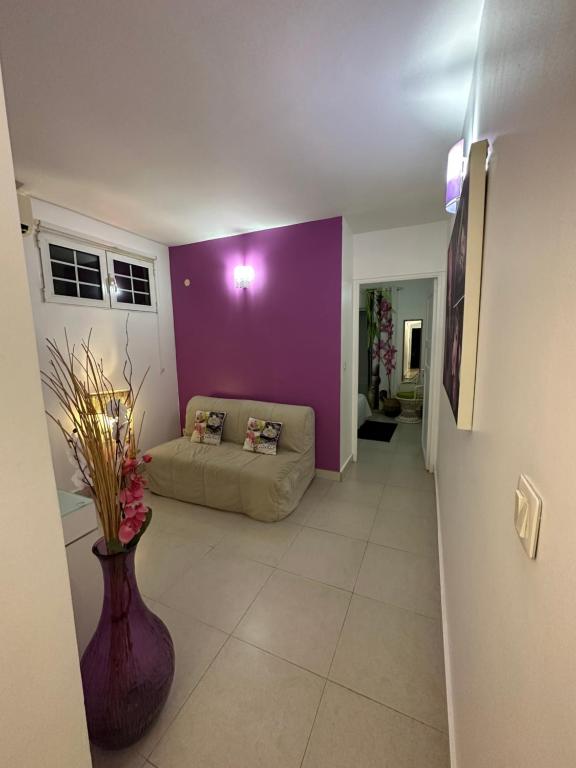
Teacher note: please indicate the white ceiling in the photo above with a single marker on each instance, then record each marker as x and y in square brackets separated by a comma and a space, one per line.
[184, 120]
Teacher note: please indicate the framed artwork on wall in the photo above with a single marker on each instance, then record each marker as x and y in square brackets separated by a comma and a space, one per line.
[464, 276]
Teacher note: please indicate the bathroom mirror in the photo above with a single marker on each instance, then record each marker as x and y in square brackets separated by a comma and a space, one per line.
[412, 349]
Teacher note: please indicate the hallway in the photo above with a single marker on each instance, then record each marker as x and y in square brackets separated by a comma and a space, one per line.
[313, 642]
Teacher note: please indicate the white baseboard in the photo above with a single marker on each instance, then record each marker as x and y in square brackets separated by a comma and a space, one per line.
[344, 466]
[329, 474]
[447, 667]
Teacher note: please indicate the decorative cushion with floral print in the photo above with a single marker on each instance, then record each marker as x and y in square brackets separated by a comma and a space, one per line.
[208, 426]
[262, 436]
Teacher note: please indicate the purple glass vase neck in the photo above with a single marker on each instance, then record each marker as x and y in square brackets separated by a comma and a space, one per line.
[121, 593]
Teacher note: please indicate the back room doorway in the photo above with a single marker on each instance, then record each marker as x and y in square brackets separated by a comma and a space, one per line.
[397, 351]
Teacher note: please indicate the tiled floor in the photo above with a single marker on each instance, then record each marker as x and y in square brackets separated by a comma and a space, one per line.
[313, 642]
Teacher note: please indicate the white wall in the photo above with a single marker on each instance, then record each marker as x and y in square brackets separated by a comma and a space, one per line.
[400, 252]
[151, 334]
[41, 713]
[346, 400]
[512, 621]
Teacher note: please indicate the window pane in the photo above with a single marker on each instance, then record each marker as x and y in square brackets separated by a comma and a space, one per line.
[141, 285]
[141, 272]
[125, 297]
[121, 267]
[64, 289]
[90, 291]
[88, 276]
[124, 282]
[142, 298]
[61, 254]
[66, 271]
[88, 260]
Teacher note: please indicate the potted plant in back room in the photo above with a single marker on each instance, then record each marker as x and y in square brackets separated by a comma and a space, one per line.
[128, 666]
[381, 334]
[373, 338]
[387, 353]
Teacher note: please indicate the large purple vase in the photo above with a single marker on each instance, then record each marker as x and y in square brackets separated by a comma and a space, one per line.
[128, 666]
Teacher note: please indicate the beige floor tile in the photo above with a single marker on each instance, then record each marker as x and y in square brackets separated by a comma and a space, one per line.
[123, 758]
[218, 589]
[302, 513]
[162, 558]
[409, 477]
[358, 491]
[297, 619]
[353, 732]
[429, 482]
[410, 500]
[407, 530]
[367, 472]
[408, 449]
[407, 460]
[344, 517]
[401, 578]
[251, 710]
[254, 540]
[325, 557]
[195, 647]
[395, 657]
[318, 488]
[200, 524]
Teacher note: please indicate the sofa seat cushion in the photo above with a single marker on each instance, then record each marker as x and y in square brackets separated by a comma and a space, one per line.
[226, 477]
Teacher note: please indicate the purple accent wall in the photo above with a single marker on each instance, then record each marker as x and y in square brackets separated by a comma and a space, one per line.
[279, 339]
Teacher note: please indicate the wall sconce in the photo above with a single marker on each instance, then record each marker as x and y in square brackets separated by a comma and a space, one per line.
[243, 276]
[454, 176]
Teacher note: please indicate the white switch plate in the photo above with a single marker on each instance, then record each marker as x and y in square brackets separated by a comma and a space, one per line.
[527, 513]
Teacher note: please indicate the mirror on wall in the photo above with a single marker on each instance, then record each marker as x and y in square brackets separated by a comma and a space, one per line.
[412, 349]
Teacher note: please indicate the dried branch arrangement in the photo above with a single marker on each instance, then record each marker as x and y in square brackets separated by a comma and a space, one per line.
[100, 435]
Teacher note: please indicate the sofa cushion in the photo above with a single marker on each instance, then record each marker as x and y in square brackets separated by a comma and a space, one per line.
[208, 427]
[262, 436]
[226, 477]
[297, 420]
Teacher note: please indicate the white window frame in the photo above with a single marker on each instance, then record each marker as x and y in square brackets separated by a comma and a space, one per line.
[106, 256]
[45, 240]
[149, 265]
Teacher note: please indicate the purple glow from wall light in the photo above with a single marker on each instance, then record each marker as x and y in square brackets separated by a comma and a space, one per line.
[454, 168]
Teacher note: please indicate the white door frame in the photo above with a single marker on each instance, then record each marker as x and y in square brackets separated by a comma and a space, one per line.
[439, 279]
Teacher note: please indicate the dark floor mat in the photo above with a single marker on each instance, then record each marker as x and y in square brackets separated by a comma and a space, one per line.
[377, 430]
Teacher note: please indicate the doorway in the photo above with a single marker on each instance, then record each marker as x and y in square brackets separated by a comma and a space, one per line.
[417, 310]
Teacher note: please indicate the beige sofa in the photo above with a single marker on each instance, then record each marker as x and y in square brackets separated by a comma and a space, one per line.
[227, 477]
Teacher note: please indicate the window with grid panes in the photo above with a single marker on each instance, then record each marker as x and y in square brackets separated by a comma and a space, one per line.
[132, 282]
[75, 273]
[78, 273]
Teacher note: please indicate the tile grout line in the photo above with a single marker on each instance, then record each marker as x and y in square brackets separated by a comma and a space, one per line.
[176, 715]
[329, 671]
[387, 706]
[224, 644]
[313, 722]
[278, 657]
[256, 596]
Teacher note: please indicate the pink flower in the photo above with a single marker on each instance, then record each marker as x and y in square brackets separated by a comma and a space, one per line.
[126, 533]
[136, 512]
[128, 466]
[137, 493]
[126, 496]
[147, 458]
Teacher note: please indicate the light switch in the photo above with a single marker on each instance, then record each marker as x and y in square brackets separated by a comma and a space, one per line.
[527, 512]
